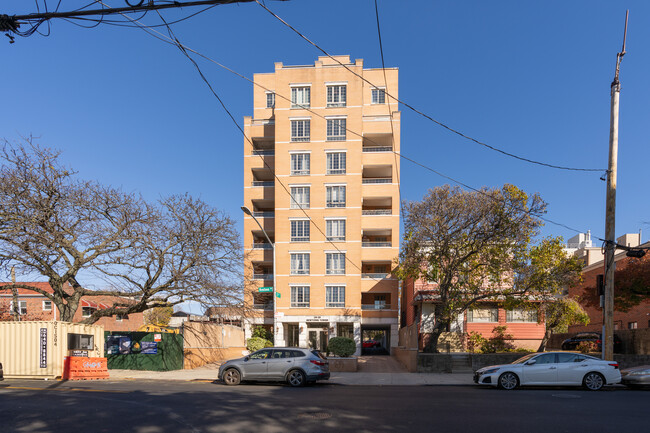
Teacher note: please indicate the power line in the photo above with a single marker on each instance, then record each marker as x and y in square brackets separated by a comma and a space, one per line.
[450, 129]
[438, 173]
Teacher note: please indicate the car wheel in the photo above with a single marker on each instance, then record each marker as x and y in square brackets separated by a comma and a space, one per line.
[508, 381]
[296, 378]
[231, 377]
[593, 381]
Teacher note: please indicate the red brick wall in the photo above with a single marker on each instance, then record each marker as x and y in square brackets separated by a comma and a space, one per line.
[586, 295]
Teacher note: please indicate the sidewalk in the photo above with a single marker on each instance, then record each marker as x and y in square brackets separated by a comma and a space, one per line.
[209, 374]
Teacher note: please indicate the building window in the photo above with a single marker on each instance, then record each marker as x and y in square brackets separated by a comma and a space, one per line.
[22, 307]
[334, 296]
[47, 305]
[300, 130]
[521, 315]
[335, 230]
[87, 311]
[335, 129]
[300, 97]
[335, 263]
[483, 315]
[299, 197]
[345, 330]
[299, 263]
[299, 164]
[336, 96]
[335, 196]
[336, 163]
[300, 296]
[632, 325]
[378, 96]
[299, 230]
[270, 100]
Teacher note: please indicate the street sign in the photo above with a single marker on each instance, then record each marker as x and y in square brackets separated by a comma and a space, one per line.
[277, 295]
[265, 289]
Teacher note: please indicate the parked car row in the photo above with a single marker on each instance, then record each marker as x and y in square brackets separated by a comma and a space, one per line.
[590, 337]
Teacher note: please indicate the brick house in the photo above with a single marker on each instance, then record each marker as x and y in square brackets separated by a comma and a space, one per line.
[34, 306]
[418, 302]
[586, 293]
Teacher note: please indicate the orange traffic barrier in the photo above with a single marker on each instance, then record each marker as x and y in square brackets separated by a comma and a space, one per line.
[82, 368]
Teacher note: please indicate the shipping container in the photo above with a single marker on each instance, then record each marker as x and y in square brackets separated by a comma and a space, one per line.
[37, 349]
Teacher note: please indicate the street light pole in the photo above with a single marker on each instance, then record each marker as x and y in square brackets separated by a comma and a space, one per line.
[248, 212]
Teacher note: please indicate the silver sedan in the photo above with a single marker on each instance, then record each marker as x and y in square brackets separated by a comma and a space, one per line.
[551, 368]
[294, 365]
[636, 377]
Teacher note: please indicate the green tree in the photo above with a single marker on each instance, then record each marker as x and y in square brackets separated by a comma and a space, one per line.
[158, 316]
[478, 246]
[632, 283]
[558, 315]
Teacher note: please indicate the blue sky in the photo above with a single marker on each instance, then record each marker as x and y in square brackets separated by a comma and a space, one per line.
[531, 78]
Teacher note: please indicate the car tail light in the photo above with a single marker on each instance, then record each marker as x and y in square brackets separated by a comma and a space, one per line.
[321, 363]
[614, 364]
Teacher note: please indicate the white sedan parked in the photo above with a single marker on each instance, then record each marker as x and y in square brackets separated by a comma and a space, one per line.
[551, 368]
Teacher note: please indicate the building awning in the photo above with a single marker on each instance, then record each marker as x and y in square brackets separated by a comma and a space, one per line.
[95, 305]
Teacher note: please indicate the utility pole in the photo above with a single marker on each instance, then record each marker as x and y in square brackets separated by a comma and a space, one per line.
[607, 345]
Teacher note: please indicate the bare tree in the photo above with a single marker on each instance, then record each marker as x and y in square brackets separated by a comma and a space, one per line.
[477, 246]
[69, 230]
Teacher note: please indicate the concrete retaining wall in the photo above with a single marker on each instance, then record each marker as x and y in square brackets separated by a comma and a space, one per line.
[408, 357]
[343, 364]
[433, 363]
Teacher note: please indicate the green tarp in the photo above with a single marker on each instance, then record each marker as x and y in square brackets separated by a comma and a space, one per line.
[126, 351]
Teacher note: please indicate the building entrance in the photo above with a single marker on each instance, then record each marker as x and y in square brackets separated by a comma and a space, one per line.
[317, 336]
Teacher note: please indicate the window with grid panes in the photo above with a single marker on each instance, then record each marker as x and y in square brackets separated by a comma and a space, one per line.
[300, 296]
[335, 196]
[270, 100]
[520, 315]
[300, 130]
[335, 162]
[335, 230]
[483, 315]
[299, 263]
[378, 96]
[335, 129]
[299, 230]
[299, 197]
[299, 164]
[335, 296]
[335, 263]
[336, 96]
[300, 97]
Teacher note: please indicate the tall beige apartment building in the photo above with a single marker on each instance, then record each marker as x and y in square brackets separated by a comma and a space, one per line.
[321, 177]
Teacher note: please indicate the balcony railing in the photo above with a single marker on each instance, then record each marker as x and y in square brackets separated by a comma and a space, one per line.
[376, 275]
[264, 152]
[375, 306]
[262, 276]
[335, 204]
[263, 183]
[377, 180]
[262, 246]
[299, 172]
[377, 149]
[376, 212]
[375, 244]
[264, 214]
[268, 306]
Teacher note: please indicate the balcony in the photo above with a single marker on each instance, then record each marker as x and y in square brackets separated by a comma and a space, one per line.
[376, 238]
[262, 246]
[369, 180]
[375, 174]
[375, 275]
[263, 183]
[263, 152]
[267, 306]
[378, 306]
[264, 214]
[375, 149]
[262, 276]
[373, 206]
[376, 212]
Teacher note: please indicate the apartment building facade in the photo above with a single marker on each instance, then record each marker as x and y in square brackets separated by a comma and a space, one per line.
[321, 179]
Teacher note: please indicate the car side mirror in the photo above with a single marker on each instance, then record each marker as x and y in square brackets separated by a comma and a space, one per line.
[247, 358]
[531, 362]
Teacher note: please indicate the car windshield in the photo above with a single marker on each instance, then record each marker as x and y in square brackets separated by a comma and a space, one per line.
[524, 358]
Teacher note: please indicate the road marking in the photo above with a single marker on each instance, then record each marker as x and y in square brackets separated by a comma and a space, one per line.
[30, 388]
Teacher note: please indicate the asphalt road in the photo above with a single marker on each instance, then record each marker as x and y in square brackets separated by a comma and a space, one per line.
[151, 407]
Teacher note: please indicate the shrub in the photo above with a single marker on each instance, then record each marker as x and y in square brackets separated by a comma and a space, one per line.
[587, 346]
[262, 332]
[476, 342]
[256, 343]
[341, 346]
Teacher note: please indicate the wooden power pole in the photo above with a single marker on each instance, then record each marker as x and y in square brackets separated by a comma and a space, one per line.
[610, 212]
